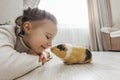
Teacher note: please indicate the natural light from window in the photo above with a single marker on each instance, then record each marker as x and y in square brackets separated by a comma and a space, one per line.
[68, 12]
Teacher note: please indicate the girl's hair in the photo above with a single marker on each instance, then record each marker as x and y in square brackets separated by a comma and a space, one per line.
[33, 14]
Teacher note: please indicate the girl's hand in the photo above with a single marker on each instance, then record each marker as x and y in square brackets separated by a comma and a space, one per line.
[43, 57]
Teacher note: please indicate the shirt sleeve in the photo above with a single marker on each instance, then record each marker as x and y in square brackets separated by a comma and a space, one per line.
[12, 63]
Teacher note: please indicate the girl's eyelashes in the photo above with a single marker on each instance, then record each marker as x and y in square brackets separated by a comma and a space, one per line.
[47, 37]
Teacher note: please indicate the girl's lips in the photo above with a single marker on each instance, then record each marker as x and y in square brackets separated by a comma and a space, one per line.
[43, 47]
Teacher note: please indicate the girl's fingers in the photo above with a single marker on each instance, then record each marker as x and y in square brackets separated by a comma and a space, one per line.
[49, 58]
[48, 54]
[44, 57]
[40, 58]
[44, 60]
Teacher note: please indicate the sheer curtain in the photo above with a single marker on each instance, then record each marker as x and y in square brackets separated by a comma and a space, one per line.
[72, 16]
[99, 16]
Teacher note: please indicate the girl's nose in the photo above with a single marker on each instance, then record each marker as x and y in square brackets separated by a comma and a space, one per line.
[49, 43]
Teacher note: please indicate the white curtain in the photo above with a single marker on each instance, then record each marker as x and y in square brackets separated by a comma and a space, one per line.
[99, 16]
[76, 36]
[30, 3]
[72, 16]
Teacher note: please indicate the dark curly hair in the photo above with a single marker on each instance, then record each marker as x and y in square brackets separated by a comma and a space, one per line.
[34, 14]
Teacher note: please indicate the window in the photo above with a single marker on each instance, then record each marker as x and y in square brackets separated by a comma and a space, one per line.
[68, 12]
[72, 17]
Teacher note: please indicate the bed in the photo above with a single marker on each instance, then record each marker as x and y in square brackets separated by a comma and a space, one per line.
[105, 66]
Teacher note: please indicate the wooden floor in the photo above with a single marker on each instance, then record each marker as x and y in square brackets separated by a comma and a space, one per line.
[105, 66]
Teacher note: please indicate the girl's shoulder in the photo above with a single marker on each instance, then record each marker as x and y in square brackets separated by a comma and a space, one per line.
[8, 29]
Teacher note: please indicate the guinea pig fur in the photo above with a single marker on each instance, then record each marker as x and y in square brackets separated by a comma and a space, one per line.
[72, 54]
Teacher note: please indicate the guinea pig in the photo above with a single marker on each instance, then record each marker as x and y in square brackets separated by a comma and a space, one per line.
[72, 54]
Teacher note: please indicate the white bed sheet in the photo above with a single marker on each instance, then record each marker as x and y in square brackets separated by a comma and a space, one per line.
[105, 66]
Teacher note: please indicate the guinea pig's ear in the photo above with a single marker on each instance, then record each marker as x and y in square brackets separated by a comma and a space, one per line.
[65, 47]
[61, 47]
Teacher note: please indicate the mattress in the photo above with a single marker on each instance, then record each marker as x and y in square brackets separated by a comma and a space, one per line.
[105, 66]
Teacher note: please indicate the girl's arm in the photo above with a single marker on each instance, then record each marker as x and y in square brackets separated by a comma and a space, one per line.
[12, 63]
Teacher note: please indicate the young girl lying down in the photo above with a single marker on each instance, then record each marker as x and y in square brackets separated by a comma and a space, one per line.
[22, 45]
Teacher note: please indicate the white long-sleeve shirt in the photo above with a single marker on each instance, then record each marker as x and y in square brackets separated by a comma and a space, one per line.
[14, 61]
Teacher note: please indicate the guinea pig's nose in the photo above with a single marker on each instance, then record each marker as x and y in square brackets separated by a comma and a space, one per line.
[61, 47]
[51, 49]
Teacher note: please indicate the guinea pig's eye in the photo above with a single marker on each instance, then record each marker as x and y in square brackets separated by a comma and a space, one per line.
[61, 47]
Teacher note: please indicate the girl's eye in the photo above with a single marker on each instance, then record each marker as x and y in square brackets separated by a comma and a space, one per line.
[47, 37]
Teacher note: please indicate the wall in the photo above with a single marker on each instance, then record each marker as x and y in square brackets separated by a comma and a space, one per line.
[115, 9]
[10, 9]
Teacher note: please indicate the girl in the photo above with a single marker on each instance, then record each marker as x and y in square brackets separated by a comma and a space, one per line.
[21, 46]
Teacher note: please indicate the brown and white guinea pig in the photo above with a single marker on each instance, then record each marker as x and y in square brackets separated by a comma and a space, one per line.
[72, 54]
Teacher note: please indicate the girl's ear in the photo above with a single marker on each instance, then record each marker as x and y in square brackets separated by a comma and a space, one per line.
[27, 27]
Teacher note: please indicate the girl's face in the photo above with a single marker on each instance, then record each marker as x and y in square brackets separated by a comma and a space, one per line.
[39, 34]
